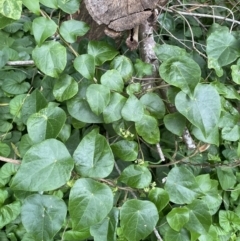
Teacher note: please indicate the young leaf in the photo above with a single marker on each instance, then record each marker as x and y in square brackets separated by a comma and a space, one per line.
[43, 215]
[85, 65]
[181, 186]
[45, 124]
[89, 203]
[93, 156]
[101, 52]
[142, 69]
[113, 111]
[113, 80]
[65, 88]
[50, 58]
[124, 66]
[50, 164]
[148, 129]
[202, 109]
[133, 109]
[71, 29]
[125, 150]
[98, 97]
[229, 220]
[43, 28]
[138, 219]
[136, 176]
[182, 72]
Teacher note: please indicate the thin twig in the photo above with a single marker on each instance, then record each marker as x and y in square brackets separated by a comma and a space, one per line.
[157, 234]
[5, 159]
[20, 63]
[160, 153]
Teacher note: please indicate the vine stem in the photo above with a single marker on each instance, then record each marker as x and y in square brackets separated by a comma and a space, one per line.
[157, 234]
[5, 159]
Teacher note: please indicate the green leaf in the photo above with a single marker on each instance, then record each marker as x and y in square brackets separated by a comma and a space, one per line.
[113, 111]
[181, 186]
[178, 217]
[113, 80]
[226, 177]
[11, 9]
[229, 220]
[171, 235]
[98, 97]
[231, 133]
[85, 65]
[235, 73]
[50, 58]
[166, 51]
[15, 105]
[32, 104]
[93, 156]
[9, 212]
[71, 235]
[89, 203]
[142, 69]
[138, 219]
[65, 88]
[154, 105]
[159, 197]
[43, 28]
[43, 216]
[106, 230]
[175, 123]
[45, 124]
[5, 149]
[200, 219]
[222, 47]
[101, 52]
[134, 88]
[14, 83]
[136, 176]
[69, 6]
[50, 4]
[202, 109]
[79, 108]
[182, 72]
[124, 66]
[5, 126]
[133, 109]
[148, 129]
[71, 29]
[125, 150]
[50, 166]
[3, 58]
[33, 6]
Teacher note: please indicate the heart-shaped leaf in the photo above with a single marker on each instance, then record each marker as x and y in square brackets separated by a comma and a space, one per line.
[50, 164]
[43, 215]
[202, 109]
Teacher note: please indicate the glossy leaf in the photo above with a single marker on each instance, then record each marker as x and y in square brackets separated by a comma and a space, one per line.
[124, 66]
[136, 176]
[43, 28]
[70, 6]
[50, 4]
[113, 80]
[183, 235]
[85, 65]
[45, 124]
[154, 104]
[182, 72]
[226, 177]
[101, 52]
[159, 197]
[89, 203]
[181, 186]
[65, 88]
[113, 111]
[203, 109]
[148, 129]
[178, 217]
[175, 123]
[98, 97]
[93, 156]
[125, 150]
[50, 58]
[138, 219]
[43, 216]
[229, 220]
[33, 6]
[50, 164]
[133, 109]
